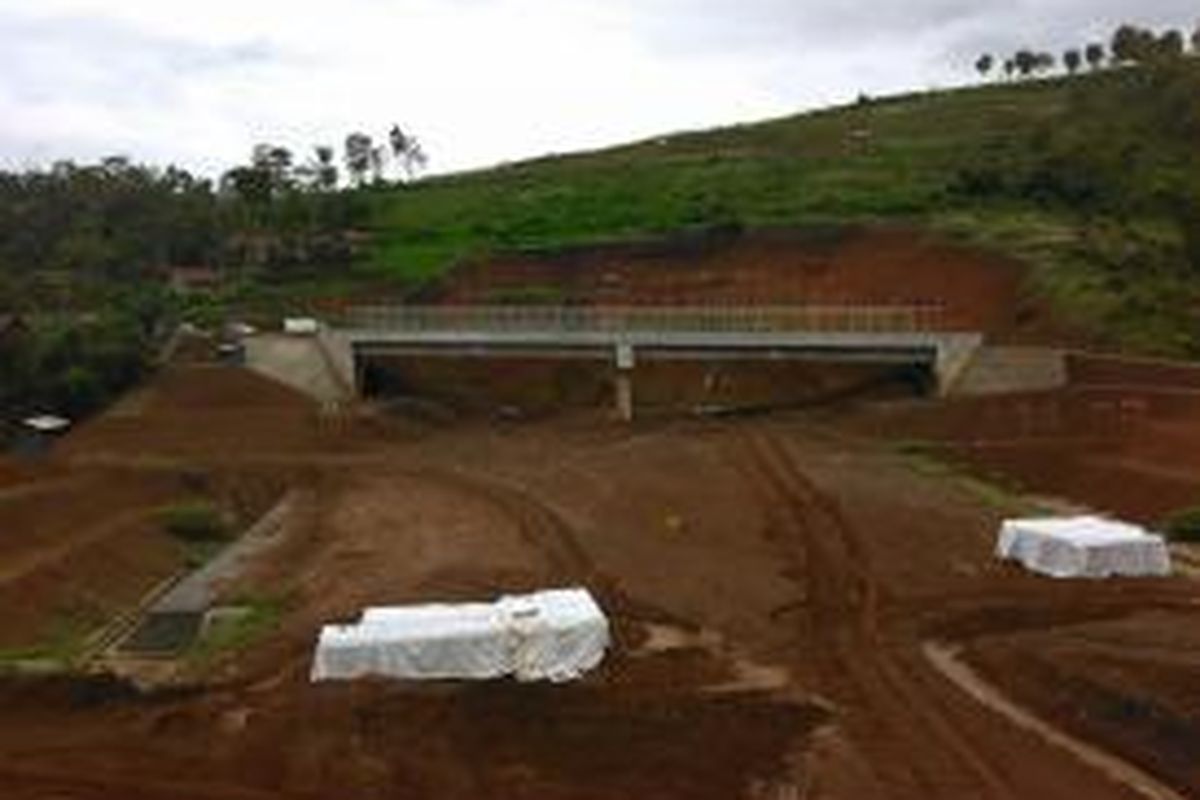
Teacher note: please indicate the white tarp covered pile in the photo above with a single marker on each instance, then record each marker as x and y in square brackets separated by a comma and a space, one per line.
[555, 636]
[1083, 547]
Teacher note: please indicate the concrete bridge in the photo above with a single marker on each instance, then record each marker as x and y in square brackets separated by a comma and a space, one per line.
[627, 336]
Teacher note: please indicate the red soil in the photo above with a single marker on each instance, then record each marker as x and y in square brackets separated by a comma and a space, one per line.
[825, 562]
[1123, 437]
[80, 536]
[78, 549]
[205, 413]
[1128, 680]
[867, 267]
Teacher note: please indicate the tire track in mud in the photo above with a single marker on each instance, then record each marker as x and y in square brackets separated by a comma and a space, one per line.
[539, 526]
[546, 531]
[915, 749]
[896, 702]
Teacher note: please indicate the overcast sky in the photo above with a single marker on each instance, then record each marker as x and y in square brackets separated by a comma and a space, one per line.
[480, 81]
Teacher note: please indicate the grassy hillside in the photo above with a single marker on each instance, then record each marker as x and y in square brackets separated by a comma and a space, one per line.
[897, 159]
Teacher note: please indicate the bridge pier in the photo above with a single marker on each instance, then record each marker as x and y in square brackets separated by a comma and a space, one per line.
[624, 383]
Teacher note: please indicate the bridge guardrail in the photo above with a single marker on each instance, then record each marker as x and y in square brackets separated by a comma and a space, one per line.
[616, 319]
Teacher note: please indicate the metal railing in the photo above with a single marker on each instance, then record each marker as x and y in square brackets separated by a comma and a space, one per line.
[645, 319]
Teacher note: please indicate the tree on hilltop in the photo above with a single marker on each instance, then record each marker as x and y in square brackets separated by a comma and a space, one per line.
[326, 173]
[1170, 45]
[276, 163]
[1072, 60]
[984, 65]
[1133, 45]
[319, 174]
[358, 149]
[407, 152]
[1026, 62]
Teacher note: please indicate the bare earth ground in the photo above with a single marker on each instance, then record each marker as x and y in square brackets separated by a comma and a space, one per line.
[1122, 436]
[773, 589]
[877, 267]
[798, 613]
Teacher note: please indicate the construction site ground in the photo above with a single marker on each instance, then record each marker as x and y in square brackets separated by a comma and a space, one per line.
[804, 604]
[774, 589]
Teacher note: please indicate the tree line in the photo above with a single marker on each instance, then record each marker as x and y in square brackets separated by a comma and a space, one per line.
[116, 220]
[1129, 45]
[86, 250]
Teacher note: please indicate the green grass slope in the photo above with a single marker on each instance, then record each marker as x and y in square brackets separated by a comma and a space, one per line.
[892, 160]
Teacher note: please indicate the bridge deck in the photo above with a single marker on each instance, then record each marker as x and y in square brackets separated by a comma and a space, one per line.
[644, 319]
[879, 334]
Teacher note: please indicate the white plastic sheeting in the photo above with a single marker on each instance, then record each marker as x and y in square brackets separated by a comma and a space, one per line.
[555, 636]
[47, 423]
[301, 326]
[1083, 547]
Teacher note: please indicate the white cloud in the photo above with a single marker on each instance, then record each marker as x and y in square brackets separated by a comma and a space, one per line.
[480, 80]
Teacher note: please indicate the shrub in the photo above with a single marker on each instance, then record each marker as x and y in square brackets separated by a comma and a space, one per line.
[1184, 525]
[195, 521]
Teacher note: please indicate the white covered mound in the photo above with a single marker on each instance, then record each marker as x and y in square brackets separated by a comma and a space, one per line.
[555, 636]
[1083, 547]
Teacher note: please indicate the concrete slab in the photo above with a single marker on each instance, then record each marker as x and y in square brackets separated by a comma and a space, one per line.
[298, 362]
[172, 622]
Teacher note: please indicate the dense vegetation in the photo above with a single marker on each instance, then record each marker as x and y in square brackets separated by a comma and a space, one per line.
[73, 363]
[87, 253]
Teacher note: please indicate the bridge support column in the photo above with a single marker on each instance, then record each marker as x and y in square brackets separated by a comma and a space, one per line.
[624, 383]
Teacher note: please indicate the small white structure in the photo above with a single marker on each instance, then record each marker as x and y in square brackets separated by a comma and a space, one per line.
[47, 424]
[554, 636]
[1083, 547]
[301, 326]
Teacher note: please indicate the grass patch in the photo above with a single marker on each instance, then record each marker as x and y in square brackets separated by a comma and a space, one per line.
[883, 160]
[931, 460]
[1183, 525]
[198, 552]
[1122, 285]
[60, 648]
[196, 521]
[243, 622]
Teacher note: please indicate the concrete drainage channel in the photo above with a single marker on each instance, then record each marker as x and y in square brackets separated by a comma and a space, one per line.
[176, 614]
